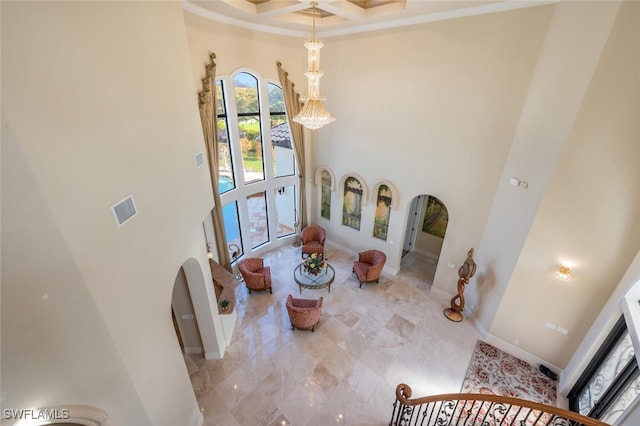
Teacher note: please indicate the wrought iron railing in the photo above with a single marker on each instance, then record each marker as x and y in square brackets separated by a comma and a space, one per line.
[473, 409]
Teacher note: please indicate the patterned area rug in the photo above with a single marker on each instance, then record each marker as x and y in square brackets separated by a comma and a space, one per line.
[493, 371]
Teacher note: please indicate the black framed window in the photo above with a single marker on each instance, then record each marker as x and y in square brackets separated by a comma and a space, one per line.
[611, 381]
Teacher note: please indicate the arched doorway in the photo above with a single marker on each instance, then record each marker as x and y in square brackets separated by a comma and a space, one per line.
[184, 316]
[193, 304]
[427, 223]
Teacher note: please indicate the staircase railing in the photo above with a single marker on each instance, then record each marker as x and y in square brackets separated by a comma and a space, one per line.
[474, 409]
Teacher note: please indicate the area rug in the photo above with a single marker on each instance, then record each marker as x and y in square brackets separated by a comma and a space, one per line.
[492, 371]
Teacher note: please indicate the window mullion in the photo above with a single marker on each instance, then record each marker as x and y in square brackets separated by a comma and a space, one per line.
[267, 156]
[234, 133]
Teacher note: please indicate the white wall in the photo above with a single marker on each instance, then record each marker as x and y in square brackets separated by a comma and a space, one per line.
[99, 102]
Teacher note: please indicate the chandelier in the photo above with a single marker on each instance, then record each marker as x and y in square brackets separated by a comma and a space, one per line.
[313, 114]
[563, 273]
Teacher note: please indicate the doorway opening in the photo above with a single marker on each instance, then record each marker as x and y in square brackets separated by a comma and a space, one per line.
[184, 316]
[427, 223]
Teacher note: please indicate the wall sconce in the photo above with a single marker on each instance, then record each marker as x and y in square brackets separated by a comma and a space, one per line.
[563, 273]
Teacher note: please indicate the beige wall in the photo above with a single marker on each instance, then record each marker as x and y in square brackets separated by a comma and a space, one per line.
[237, 48]
[589, 214]
[555, 95]
[56, 347]
[431, 108]
[99, 103]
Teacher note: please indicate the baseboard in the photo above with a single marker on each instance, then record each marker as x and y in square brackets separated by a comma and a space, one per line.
[212, 355]
[197, 419]
[442, 293]
[228, 324]
[193, 350]
[520, 353]
[332, 243]
[503, 345]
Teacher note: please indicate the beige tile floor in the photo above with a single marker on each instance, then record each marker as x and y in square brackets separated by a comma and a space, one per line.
[368, 340]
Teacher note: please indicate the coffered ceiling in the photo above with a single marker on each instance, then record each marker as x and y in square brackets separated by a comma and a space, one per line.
[339, 17]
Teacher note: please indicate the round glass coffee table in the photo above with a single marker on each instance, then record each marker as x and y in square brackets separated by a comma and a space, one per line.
[314, 282]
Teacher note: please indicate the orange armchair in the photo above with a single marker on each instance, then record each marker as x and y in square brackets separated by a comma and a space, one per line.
[313, 240]
[369, 266]
[304, 313]
[256, 275]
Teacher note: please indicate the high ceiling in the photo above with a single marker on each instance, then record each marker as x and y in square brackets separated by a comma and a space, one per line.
[339, 17]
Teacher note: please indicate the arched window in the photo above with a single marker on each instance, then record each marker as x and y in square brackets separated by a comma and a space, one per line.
[383, 212]
[246, 96]
[352, 203]
[325, 201]
[258, 186]
[327, 181]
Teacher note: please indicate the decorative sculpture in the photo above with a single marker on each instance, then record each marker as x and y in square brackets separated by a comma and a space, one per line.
[466, 271]
[234, 252]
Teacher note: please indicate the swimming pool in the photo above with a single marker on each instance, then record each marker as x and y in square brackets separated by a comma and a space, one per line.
[229, 211]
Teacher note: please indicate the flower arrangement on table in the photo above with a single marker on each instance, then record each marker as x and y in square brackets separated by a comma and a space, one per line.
[314, 264]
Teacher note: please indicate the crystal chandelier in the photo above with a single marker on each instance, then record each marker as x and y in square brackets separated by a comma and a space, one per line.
[313, 115]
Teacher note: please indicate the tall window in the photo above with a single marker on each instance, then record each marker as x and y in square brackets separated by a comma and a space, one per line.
[225, 167]
[258, 183]
[283, 158]
[247, 100]
[285, 210]
[611, 381]
[258, 221]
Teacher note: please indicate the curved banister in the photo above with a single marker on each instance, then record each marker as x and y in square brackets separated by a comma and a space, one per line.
[546, 414]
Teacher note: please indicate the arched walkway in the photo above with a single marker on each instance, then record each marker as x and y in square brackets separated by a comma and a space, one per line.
[195, 311]
[427, 222]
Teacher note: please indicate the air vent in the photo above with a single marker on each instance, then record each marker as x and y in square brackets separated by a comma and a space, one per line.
[124, 210]
[199, 159]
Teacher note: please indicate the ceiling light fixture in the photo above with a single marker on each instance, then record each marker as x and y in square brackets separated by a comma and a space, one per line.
[563, 273]
[313, 114]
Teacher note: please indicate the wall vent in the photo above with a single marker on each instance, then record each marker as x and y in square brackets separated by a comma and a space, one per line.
[199, 159]
[124, 210]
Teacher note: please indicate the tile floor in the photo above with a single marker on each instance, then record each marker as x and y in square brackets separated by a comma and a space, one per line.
[368, 340]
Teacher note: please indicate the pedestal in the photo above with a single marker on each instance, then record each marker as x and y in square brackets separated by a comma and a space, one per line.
[452, 315]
